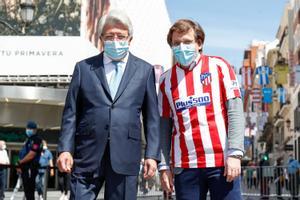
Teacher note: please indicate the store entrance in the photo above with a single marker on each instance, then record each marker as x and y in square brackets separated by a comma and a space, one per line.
[15, 139]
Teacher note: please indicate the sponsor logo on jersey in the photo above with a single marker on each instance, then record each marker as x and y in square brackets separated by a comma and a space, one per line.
[192, 101]
[205, 78]
[234, 85]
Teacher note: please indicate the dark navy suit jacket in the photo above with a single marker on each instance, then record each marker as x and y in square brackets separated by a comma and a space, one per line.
[91, 118]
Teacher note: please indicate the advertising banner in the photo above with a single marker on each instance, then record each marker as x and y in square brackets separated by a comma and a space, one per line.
[49, 37]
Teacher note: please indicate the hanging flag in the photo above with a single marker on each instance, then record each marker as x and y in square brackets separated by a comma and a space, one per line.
[256, 95]
[281, 71]
[267, 95]
[263, 72]
[249, 132]
[281, 95]
[242, 93]
[264, 107]
[297, 74]
[246, 73]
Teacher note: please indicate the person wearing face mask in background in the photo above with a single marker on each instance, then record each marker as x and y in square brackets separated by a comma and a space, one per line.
[4, 160]
[200, 98]
[28, 165]
[46, 160]
[100, 138]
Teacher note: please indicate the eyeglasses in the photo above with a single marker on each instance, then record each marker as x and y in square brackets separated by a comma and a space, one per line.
[111, 37]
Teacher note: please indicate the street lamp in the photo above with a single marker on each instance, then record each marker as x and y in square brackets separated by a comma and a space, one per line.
[27, 12]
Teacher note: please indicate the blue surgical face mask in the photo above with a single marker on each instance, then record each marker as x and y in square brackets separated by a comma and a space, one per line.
[185, 54]
[116, 50]
[29, 132]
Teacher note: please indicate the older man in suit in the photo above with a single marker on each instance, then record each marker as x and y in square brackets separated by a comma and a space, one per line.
[100, 139]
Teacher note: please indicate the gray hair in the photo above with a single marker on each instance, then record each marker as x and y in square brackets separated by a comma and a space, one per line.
[115, 17]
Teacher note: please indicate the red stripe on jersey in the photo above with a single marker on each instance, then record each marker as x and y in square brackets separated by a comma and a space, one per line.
[165, 104]
[195, 121]
[232, 76]
[214, 135]
[175, 95]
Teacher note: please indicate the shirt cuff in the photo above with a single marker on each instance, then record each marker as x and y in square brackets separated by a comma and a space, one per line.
[163, 167]
[235, 152]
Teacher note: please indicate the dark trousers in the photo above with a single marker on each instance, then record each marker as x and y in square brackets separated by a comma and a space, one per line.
[63, 182]
[265, 187]
[28, 178]
[194, 184]
[40, 182]
[117, 186]
[2, 182]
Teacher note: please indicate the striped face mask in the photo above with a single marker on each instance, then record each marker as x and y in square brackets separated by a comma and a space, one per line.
[185, 54]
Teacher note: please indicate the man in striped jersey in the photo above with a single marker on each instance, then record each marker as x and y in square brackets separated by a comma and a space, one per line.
[200, 101]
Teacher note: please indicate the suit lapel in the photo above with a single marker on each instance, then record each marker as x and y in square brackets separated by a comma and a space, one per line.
[98, 68]
[130, 70]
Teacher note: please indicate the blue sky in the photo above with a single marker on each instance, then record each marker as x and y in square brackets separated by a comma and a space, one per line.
[231, 25]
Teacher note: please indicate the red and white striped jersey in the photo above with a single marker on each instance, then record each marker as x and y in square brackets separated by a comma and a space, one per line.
[196, 101]
[247, 73]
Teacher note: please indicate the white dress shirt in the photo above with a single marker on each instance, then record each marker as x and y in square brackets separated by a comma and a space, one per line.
[4, 160]
[109, 67]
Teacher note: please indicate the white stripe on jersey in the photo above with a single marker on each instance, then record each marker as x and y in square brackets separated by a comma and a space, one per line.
[215, 87]
[188, 135]
[176, 147]
[201, 112]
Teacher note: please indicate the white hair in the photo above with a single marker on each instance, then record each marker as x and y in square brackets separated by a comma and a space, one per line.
[115, 17]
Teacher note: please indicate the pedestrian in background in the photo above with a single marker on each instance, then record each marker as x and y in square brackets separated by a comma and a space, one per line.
[265, 175]
[4, 160]
[293, 172]
[200, 95]
[28, 165]
[46, 160]
[64, 185]
[279, 178]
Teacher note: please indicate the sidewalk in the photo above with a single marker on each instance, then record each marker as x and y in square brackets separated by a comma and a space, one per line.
[54, 195]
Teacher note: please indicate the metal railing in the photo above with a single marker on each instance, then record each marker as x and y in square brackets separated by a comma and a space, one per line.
[276, 182]
[267, 182]
[145, 188]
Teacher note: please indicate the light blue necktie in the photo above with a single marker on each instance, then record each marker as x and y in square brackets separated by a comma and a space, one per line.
[115, 79]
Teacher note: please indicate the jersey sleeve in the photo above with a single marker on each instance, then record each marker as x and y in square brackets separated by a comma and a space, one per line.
[36, 145]
[230, 82]
[163, 103]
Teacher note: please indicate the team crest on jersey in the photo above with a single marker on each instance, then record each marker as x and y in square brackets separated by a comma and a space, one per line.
[192, 101]
[205, 78]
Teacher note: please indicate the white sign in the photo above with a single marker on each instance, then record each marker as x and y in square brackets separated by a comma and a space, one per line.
[40, 55]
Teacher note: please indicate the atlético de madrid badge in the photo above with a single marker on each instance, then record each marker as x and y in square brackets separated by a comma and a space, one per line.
[205, 78]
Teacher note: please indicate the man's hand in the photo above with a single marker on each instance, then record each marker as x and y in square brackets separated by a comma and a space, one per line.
[19, 170]
[65, 162]
[51, 172]
[150, 166]
[166, 179]
[232, 168]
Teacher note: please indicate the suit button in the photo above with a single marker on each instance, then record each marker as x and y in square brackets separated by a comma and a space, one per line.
[106, 127]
